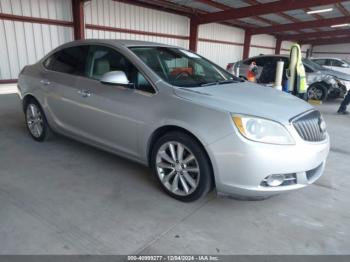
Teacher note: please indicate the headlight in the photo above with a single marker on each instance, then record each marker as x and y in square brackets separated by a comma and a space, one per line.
[344, 83]
[331, 80]
[262, 130]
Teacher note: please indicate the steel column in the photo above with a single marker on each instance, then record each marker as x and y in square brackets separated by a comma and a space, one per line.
[278, 46]
[247, 41]
[193, 34]
[78, 19]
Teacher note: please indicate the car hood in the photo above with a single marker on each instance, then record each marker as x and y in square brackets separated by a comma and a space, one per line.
[247, 98]
[337, 74]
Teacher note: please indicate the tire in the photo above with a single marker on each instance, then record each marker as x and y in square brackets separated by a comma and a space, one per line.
[36, 122]
[317, 91]
[173, 170]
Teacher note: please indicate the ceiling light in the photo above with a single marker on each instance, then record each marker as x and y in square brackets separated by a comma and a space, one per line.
[340, 25]
[319, 11]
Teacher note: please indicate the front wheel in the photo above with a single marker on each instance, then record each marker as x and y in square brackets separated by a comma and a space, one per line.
[181, 166]
[317, 91]
[36, 121]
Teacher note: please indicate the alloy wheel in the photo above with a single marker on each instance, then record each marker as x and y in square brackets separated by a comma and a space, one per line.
[35, 121]
[315, 93]
[177, 168]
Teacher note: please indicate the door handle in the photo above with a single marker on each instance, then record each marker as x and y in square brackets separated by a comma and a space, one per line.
[84, 93]
[45, 82]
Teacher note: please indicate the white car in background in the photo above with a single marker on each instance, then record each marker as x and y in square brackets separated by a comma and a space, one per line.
[336, 64]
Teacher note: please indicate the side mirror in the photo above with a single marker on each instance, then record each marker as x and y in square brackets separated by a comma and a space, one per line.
[115, 78]
[345, 65]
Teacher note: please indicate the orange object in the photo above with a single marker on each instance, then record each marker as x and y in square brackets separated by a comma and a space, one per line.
[179, 70]
[251, 74]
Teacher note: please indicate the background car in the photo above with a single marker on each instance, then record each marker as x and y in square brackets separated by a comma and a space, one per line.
[321, 84]
[336, 64]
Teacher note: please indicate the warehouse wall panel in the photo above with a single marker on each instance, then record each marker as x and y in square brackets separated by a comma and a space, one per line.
[23, 43]
[221, 32]
[91, 33]
[286, 47]
[220, 43]
[143, 23]
[262, 44]
[53, 9]
[339, 51]
[221, 54]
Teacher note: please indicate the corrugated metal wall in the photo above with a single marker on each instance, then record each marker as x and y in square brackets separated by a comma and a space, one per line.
[262, 44]
[124, 16]
[340, 51]
[221, 44]
[285, 47]
[23, 43]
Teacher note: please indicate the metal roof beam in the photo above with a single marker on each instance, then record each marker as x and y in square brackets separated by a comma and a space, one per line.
[300, 25]
[226, 7]
[330, 41]
[261, 9]
[315, 34]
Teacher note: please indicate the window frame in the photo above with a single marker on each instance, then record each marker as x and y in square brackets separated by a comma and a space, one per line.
[317, 60]
[89, 44]
[179, 48]
[341, 62]
[56, 52]
[94, 45]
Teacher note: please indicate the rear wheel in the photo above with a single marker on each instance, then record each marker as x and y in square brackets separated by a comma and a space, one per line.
[36, 121]
[181, 167]
[317, 91]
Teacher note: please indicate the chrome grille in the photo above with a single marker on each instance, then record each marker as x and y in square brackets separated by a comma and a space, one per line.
[309, 127]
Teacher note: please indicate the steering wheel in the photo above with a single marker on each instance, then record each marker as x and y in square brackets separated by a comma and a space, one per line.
[182, 73]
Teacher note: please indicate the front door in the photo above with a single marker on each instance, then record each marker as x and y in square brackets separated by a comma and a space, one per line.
[113, 114]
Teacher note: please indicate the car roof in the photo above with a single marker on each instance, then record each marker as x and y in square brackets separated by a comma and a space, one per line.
[119, 42]
[318, 58]
[259, 56]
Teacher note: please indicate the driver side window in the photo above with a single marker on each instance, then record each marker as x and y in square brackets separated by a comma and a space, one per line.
[104, 59]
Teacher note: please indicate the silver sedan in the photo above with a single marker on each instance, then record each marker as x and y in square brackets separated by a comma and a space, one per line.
[197, 126]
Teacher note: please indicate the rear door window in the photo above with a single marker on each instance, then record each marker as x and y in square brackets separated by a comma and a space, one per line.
[71, 60]
[320, 61]
[262, 61]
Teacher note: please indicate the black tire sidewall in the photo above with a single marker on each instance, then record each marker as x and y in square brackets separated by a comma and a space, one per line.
[46, 131]
[206, 177]
[324, 90]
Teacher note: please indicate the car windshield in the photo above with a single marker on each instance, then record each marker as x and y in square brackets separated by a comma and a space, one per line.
[183, 68]
[313, 65]
[345, 62]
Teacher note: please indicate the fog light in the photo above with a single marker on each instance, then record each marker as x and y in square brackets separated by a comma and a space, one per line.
[275, 180]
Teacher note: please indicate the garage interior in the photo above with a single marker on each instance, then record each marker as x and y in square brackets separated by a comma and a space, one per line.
[64, 197]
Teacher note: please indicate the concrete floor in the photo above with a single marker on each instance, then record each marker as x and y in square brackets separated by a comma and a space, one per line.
[63, 197]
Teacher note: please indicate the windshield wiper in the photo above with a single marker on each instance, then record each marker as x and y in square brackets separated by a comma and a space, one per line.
[221, 82]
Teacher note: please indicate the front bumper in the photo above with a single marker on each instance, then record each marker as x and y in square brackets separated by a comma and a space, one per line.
[241, 165]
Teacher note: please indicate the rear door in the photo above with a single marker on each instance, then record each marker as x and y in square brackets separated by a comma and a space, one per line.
[59, 80]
